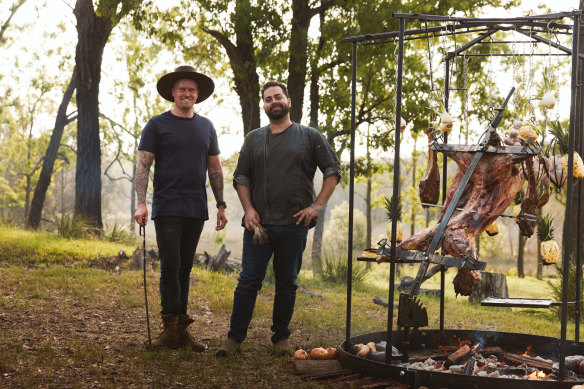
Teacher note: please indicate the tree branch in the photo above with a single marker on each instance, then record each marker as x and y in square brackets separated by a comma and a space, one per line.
[13, 10]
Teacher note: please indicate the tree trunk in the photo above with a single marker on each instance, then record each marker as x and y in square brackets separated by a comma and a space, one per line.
[243, 63]
[491, 285]
[520, 255]
[28, 189]
[317, 243]
[93, 32]
[297, 65]
[539, 260]
[314, 106]
[40, 192]
[414, 165]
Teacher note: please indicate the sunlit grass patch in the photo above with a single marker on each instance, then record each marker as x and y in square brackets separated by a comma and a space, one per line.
[18, 246]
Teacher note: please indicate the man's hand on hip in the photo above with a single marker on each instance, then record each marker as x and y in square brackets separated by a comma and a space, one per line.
[306, 215]
[221, 219]
[141, 214]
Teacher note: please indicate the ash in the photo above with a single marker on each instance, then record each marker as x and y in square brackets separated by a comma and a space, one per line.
[485, 366]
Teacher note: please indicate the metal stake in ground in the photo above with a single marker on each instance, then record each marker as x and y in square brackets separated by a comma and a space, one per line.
[143, 235]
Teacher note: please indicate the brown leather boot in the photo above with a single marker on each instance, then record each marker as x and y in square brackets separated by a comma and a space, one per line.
[169, 336]
[185, 338]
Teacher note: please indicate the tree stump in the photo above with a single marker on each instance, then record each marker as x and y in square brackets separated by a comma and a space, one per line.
[491, 285]
[219, 262]
[138, 257]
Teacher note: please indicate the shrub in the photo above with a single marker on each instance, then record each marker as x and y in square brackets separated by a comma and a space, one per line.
[335, 267]
[119, 234]
[337, 225]
[556, 287]
[73, 227]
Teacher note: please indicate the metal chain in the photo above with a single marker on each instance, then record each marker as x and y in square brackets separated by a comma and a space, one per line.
[530, 79]
[465, 108]
[430, 58]
[490, 79]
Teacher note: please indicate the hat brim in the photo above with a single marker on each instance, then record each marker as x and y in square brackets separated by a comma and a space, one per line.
[166, 82]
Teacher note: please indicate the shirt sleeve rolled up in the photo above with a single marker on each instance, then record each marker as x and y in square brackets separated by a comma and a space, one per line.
[242, 172]
[325, 157]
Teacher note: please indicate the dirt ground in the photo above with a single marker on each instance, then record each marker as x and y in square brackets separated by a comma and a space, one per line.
[59, 341]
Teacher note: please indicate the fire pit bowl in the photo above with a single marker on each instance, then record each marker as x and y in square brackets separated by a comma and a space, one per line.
[428, 341]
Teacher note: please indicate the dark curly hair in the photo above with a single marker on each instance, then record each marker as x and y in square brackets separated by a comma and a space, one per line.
[272, 83]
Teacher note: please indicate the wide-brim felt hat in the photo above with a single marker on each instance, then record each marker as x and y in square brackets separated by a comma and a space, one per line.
[166, 82]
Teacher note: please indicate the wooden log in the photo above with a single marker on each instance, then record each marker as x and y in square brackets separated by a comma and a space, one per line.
[327, 374]
[512, 371]
[490, 351]
[349, 377]
[422, 358]
[529, 361]
[491, 285]
[469, 366]
[382, 384]
[458, 356]
[306, 367]
[218, 261]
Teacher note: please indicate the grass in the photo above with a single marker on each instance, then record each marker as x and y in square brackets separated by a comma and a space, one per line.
[76, 326]
[18, 246]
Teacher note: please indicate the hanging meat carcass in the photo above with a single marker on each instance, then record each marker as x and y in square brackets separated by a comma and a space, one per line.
[496, 181]
[429, 187]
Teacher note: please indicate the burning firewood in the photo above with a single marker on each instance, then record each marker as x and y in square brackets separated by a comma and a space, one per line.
[538, 363]
[458, 356]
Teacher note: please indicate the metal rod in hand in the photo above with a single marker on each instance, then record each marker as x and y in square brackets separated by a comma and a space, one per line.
[143, 235]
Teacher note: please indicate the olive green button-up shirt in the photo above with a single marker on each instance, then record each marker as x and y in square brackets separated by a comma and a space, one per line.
[279, 169]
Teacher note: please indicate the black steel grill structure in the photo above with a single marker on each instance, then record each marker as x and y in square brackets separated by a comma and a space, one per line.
[484, 28]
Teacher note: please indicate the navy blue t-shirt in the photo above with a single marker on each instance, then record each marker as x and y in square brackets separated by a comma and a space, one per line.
[180, 146]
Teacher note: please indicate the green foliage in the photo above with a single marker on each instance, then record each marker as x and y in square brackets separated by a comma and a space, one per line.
[492, 246]
[219, 238]
[561, 136]
[335, 268]
[557, 292]
[119, 233]
[389, 208]
[20, 245]
[335, 233]
[545, 228]
[72, 227]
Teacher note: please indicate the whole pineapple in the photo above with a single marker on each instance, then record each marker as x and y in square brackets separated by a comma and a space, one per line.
[562, 139]
[550, 252]
[517, 204]
[492, 229]
[526, 131]
[391, 216]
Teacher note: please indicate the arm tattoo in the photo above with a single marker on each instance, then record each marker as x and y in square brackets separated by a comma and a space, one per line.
[216, 181]
[145, 159]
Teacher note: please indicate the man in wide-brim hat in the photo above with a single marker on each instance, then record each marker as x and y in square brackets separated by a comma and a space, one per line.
[184, 145]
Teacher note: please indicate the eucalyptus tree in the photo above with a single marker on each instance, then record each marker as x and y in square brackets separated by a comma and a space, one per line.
[94, 26]
[23, 142]
[252, 34]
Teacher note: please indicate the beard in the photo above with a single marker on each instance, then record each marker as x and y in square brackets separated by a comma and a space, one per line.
[275, 114]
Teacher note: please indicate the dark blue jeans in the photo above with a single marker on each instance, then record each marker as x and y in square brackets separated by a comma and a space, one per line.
[177, 239]
[287, 244]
